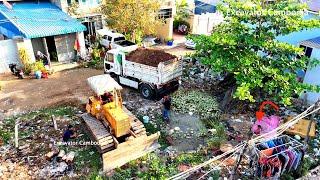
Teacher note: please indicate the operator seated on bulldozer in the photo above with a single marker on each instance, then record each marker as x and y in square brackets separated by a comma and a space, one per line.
[107, 97]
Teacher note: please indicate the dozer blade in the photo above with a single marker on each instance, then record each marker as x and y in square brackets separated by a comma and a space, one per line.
[130, 150]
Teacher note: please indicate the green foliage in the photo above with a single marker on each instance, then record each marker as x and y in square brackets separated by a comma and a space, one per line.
[96, 61]
[182, 11]
[151, 129]
[153, 166]
[245, 47]
[157, 170]
[134, 17]
[220, 136]
[25, 59]
[73, 8]
[189, 158]
[198, 102]
[37, 66]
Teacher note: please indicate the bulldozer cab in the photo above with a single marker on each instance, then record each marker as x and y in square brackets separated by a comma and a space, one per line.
[107, 104]
[113, 97]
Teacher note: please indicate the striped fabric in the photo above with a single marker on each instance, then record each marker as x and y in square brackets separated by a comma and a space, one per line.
[42, 19]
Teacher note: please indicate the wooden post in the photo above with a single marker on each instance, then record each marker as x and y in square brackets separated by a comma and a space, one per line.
[54, 122]
[306, 140]
[16, 134]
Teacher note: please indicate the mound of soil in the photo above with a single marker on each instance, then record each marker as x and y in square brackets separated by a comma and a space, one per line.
[150, 57]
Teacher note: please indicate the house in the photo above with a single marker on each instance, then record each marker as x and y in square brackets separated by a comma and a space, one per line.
[166, 12]
[42, 26]
[204, 16]
[309, 39]
[312, 75]
[86, 11]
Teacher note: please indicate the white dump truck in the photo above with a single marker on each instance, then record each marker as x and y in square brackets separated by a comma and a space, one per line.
[152, 72]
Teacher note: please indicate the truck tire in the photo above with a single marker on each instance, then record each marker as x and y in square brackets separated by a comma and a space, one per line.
[146, 91]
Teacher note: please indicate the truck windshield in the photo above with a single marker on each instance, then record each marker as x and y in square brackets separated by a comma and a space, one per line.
[119, 39]
[110, 57]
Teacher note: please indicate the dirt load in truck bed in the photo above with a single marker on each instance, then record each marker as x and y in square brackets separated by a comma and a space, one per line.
[150, 57]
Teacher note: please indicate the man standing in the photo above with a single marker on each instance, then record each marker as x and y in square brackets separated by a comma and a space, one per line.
[166, 101]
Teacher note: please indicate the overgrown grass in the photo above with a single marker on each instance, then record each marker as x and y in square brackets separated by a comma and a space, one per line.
[219, 136]
[198, 102]
[151, 129]
[7, 129]
[156, 167]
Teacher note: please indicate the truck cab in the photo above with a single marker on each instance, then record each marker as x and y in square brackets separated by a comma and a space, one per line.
[113, 62]
[116, 40]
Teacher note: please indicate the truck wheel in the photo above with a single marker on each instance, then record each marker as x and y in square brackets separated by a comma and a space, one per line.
[146, 91]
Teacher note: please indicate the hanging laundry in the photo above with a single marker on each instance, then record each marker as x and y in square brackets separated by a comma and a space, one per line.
[276, 156]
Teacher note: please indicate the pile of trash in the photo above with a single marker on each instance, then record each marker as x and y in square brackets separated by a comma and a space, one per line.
[197, 75]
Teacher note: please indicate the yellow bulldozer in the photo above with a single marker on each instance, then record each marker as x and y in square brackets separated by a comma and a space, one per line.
[120, 136]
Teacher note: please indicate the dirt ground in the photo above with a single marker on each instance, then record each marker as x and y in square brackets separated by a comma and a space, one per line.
[63, 87]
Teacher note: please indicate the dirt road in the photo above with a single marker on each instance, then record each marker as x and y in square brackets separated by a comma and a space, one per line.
[63, 87]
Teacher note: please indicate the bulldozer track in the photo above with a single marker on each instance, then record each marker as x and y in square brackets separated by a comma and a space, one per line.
[99, 133]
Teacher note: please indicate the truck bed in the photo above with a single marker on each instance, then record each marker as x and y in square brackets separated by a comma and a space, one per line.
[125, 43]
[159, 75]
[149, 57]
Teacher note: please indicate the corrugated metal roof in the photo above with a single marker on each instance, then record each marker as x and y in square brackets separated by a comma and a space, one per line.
[39, 20]
[313, 43]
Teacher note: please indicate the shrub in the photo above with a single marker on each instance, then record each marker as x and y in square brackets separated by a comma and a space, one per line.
[198, 102]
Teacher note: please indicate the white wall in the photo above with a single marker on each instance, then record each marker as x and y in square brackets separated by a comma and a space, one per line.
[82, 44]
[27, 44]
[313, 77]
[9, 54]
[65, 47]
[204, 23]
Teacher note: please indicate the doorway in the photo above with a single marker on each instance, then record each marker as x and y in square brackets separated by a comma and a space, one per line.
[52, 48]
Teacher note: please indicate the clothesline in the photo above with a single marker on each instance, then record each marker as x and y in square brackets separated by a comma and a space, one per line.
[279, 130]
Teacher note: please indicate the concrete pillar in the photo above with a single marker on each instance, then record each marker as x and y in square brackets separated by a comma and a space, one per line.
[80, 37]
[46, 50]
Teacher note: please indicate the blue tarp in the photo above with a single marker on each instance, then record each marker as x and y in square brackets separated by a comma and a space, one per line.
[202, 8]
[33, 20]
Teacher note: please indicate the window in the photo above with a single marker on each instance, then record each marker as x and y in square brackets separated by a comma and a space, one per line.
[307, 51]
[110, 57]
[119, 39]
[165, 13]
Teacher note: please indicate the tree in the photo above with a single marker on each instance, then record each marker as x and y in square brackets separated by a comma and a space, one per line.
[183, 11]
[132, 17]
[245, 48]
